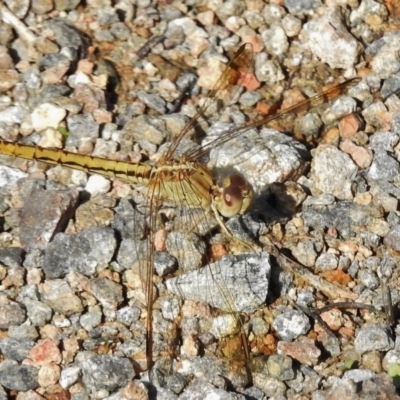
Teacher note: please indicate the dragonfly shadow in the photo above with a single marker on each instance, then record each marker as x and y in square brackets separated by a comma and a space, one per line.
[274, 205]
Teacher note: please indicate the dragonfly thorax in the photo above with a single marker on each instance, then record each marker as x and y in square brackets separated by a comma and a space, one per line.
[234, 197]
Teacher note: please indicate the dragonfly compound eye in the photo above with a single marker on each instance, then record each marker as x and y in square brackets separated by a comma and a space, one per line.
[236, 196]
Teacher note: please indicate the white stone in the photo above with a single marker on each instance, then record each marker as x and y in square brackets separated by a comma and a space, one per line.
[97, 184]
[47, 115]
[225, 325]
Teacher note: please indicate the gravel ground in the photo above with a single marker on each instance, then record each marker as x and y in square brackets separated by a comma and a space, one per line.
[119, 80]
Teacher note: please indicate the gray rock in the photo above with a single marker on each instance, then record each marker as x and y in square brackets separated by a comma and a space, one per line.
[58, 295]
[49, 92]
[82, 128]
[11, 257]
[128, 222]
[333, 171]
[272, 387]
[195, 220]
[69, 376]
[343, 106]
[369, 279]
[305, 252]
[209, 368]
[107, 292]
[164, 263]
[376, 387]
[308, 125]
[259, 326]
[275, 40]
[280, 367]
[187, 248]
[32, 78]
[43, 214]
[302, 7]
[170, 307]
[384, 50]
[16, 349]
[358, 375]
[23, 332]
[373, 337]
[120, 30]
[244, 277]
[291, 324]
[12, 115]
[54, 60]
[84, 252]
[92, 318]
[66, 35]
[254, 393]
[11, 314]
[329, 32]
[19, 377]
[326, 262]
[133, 255]
[38, 313]
[392, 239]
[142, 129]
[127, 315]
[176, 383]
[249, 99]
[201, 389]
[267, 70]
[383, 141]
[262, 159]
[373, 115]
[105, 372]
[391, 86]
[8, 177]
[383, 167]
[291, 25]
[153, 101]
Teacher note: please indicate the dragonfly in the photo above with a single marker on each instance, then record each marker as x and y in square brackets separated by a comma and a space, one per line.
[184, 180]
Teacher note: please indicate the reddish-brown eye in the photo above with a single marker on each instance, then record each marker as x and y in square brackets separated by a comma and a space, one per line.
[235, 196]
[232, 195]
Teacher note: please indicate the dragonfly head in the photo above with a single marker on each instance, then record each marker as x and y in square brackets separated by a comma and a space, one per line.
[234, 197]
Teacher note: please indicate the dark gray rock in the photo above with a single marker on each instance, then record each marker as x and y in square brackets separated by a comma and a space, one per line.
[11, 314]
[84, 252]
[105, 372]
[19, 377]
[16, 349]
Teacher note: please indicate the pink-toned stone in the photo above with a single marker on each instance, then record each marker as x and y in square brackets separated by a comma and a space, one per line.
[85, 66]
[54, 75]
[45, 353]
[159, 240]
[102, 116]
[134, 390]
[333, 318]
[29, 395]
[349, 125]
[361, 156]
[303, 350]
[348, 247]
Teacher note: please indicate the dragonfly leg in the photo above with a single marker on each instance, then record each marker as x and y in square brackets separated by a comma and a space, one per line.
[249, 246]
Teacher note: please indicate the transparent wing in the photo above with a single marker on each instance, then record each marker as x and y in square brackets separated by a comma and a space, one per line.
[305, 105]
[225, 89]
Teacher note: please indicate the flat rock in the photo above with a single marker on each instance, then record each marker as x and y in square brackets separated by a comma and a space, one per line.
[244, 277]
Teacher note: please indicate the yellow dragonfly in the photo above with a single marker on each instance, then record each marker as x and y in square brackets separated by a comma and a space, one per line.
[183, 180]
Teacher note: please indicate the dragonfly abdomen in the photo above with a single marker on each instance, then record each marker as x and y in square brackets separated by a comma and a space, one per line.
[131, 172]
